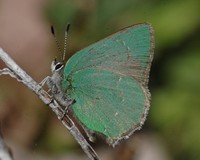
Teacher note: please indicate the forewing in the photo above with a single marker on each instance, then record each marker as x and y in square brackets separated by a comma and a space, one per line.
[128, 52]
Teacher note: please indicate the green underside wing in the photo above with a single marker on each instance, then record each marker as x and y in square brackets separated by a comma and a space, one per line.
[108, 81]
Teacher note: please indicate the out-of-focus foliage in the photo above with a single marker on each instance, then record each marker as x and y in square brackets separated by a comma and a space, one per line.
[175, 75]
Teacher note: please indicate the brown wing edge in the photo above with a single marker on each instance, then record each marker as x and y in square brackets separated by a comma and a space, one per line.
[126, 135]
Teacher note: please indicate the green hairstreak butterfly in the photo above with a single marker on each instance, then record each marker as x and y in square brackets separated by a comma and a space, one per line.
[105, 84]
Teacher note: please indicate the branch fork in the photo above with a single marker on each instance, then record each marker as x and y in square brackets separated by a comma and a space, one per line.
[16, 72]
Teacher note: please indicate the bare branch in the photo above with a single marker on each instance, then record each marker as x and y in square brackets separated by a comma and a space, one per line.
[5, 152]
[7, 71]
[16, 72]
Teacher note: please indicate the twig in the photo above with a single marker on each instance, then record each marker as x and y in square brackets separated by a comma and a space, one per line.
[16, 72]
[5, 152]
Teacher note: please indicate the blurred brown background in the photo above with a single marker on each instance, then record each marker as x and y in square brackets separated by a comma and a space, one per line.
[172, 130]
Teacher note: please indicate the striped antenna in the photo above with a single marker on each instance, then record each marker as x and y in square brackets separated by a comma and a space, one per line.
[58, 45]
[65, 41]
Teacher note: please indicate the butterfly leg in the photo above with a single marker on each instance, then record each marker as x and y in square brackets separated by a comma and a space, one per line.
[55, 103]
[45, 80]
[67, 108]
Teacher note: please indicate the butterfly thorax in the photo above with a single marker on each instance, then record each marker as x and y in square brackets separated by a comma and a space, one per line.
[54, 83]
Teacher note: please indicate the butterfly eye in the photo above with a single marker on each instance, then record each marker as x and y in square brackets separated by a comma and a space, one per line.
[58, 66]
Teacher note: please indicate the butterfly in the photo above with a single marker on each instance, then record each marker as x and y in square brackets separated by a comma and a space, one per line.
[105, 85]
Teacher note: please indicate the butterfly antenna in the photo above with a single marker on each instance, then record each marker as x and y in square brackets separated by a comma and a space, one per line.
[65, 42]
[58, 45]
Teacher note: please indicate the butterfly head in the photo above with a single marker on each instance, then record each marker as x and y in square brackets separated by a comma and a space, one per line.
[56, 66]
